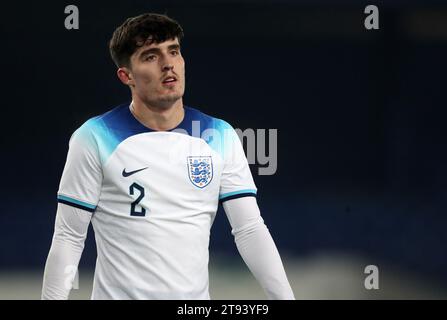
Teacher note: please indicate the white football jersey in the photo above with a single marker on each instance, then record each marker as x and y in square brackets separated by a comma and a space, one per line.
[154, 196]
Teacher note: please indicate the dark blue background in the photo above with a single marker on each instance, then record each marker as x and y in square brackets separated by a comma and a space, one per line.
[360, 117]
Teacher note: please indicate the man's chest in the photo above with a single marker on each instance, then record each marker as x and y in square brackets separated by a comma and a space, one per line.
[163, 168]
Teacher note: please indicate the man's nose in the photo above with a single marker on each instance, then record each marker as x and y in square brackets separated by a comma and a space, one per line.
[168, 67]
[167, 64]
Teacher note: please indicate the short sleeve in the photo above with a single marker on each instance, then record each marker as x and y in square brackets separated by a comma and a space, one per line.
[81, 181]
[236, 180]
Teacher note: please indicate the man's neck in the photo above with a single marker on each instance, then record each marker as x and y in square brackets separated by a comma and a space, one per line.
[159, 118]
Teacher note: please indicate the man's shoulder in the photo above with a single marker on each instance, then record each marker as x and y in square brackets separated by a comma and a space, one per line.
[113, 117]
[206, 120]
[118, 121]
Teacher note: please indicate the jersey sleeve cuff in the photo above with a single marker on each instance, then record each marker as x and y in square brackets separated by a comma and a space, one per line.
[75, 203]
[237, 194]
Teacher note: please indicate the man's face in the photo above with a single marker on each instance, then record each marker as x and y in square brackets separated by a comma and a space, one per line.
[157, 72]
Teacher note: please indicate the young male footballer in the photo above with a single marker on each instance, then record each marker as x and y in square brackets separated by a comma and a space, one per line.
[149, 176]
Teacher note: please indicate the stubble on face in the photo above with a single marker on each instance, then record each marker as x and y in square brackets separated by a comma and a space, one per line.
[153, 63]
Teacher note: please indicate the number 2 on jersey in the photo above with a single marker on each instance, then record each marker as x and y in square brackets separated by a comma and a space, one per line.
[133, 211]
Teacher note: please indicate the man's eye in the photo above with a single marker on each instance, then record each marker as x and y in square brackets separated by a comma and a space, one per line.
[174, 52]
[150, 57]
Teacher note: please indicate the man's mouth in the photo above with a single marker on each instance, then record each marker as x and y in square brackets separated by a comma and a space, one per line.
[171, 80]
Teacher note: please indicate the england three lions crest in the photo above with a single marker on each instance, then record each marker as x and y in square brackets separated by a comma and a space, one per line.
[200, 170]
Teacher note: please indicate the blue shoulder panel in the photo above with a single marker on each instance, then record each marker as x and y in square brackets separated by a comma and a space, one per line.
[118, 124]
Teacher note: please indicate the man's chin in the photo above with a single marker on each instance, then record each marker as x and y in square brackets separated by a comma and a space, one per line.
[172, 97]
[163, 100]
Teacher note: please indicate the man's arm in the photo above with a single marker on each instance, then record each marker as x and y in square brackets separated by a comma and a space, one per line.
[257, 248]
[78, 195]
[70, 232]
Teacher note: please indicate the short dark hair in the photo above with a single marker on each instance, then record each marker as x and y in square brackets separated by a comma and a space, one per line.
[135, 31]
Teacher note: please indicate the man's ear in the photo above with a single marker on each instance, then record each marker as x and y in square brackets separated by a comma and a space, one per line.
[125, 75]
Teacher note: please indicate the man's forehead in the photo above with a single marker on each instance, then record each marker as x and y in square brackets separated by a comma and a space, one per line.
[149, 43]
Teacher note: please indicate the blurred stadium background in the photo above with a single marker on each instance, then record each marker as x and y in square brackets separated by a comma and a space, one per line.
[360, 114]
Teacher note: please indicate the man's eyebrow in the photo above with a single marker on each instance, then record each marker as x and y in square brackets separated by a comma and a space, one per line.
[151, 50]
[175, 46]
[157, 50]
